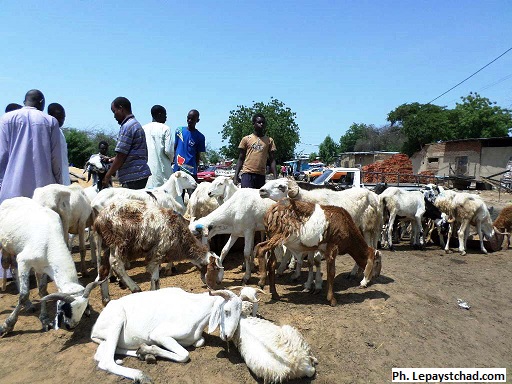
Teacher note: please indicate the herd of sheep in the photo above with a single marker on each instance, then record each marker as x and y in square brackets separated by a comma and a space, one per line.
[157, 225]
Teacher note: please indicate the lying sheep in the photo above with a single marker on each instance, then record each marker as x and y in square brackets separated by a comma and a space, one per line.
[135, 229]
[31, 235]
[271, 352]
[161, 323]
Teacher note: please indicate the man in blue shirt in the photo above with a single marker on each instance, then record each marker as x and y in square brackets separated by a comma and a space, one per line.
[131, 160]
[188, 145]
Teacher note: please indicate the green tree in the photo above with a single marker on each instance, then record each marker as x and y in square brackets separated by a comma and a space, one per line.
[212, 156]
[281, 126]
[349, 140]
[312, 156]
[80, 146]
[422, 124]
[328, 150]
[479, 117]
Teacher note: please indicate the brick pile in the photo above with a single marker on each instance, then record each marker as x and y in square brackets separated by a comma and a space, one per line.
[397, 168]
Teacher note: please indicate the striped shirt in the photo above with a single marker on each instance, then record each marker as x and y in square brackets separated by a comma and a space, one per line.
[132, 142]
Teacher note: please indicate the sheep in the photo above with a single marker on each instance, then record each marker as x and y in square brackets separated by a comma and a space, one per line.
[303, 227]
[467, 209]
[363, 205]
[274, 353]
[161, 323]
[503, 223]
[240, 216]
[76, 216]
[411, 205]
[31, 235]
[134, 229]
[167, 195]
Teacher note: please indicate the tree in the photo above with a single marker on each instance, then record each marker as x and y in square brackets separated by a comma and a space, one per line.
[479, 117]
[281, 126]
[349, 139]
[80, 146]
[312, 156]
[212, 156]
[328, 150]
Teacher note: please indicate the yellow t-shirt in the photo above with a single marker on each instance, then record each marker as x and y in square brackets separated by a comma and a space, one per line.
[256, 153]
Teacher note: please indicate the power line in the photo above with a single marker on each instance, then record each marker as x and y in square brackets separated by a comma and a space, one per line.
[469, 77]
[486, 87]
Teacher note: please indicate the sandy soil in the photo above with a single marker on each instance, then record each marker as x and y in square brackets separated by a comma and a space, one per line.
[408, 317]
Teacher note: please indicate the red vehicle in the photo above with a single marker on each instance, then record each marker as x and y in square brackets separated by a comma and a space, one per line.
[207, 175]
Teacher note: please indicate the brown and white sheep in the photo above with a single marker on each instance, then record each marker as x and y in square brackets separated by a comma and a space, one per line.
[303, 227]
[134, 229]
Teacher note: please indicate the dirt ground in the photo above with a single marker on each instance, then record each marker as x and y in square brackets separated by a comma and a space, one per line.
[408, 317]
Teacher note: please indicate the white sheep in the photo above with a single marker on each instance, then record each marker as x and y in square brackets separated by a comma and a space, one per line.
[134, 229]
[161, 323]
[240, 216]
[76, 216]
[31, 235]
[272, 352]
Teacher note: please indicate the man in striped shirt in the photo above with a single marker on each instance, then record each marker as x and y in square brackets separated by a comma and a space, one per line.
[131, 160]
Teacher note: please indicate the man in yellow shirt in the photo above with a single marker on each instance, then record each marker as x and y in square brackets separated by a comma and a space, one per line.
[255, 150]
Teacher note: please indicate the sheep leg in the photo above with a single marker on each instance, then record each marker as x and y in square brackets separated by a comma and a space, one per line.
[330, 257]
[118, 267]
[316, 260]
[309, 281]
[154, 270]
[231, 241]
[391, 222]
[248, 246]
[260, 250]
[81, 242]
[105, 356]
[42, 285]
[299, 258]
[271, 267]
[173, 349]
[285, 259]
[94, 256]
[480, 236]
[450, 230]
[9, 323]
[462, 236]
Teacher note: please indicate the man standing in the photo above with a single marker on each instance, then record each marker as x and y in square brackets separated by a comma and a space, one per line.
[160, 147]
[56, 110]
[30, 150]
[188, 145]
[131, 160]
[255, 149]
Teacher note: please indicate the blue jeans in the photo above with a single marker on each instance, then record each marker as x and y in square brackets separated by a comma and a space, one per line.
[252, 180]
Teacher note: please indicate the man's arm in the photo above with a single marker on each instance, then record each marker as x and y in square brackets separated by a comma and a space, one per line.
[272, 163]
[119, 160]
[239, 163]
[56, 151]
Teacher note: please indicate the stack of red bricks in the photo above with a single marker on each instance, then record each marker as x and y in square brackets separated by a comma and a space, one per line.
[397, 168]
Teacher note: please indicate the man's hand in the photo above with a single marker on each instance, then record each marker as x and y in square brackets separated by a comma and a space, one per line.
[106, 181]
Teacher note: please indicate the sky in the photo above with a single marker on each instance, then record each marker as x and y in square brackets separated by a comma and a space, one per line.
[333, 63]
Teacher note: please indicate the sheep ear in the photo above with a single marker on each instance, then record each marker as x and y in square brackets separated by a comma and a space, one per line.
[177, 185]
[215, 316]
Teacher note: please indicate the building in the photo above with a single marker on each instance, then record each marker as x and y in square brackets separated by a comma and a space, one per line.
[466, 161]
[360, 159]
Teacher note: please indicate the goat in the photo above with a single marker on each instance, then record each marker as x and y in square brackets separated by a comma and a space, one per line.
[74, 209]
[240, 216]
[31, 237]
[161, 323]
[302, 227]
[135, 228]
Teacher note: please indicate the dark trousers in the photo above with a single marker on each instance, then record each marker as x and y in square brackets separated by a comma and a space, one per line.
[136, 184]
[252, 180]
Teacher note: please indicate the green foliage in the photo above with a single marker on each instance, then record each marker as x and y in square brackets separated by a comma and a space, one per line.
[281, 126]
[211, 156]
[352, 135]
[82, 144]
[328, 150]
[479, 117]
[312, 156]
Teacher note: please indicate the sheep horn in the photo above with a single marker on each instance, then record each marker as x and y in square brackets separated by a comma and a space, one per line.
[225, 294]
[59, 296]
[500, 233]
[89, 287]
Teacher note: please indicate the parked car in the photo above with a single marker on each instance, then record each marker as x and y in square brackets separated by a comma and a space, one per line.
[311, 173]
[208, 174]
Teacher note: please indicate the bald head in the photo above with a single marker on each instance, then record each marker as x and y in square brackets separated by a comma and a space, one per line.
[34, 98]
[56, 110]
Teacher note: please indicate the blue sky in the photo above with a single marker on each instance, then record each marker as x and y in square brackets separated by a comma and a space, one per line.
[332, 62]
